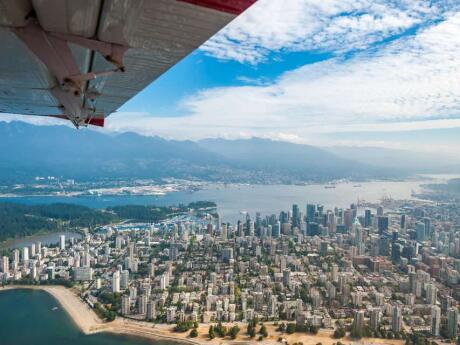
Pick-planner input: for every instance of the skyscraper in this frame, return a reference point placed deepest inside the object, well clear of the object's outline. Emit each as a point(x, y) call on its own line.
point(296, 216)
point(142, 304)
point(286, 277)
point(396, 319)
point(452, 322)
point(62, 242)
point(5, 264)
point(348, 219)
point(375, 318)
point(124, 279)
point(25, 254)
point(367, 218)
point(384, 245)
point(164, 281)
point(313, 229)
point(276, 230)
point(420, 231)
point(116, 282)
point(323, 248)
point(358, 320)
point(223, 232)
point(435, 320)
point(334, 272)
point(431, 293)
point(382, 224)
point(125, 305)
point(311, 210)
point(251, 228)
point(396, 249)
point(427, 223)
point(403, 223)
point(151, 310)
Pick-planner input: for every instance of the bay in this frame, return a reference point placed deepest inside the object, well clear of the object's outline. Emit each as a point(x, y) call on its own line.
point(44, 238)
point(27, 317)
point(233, 200)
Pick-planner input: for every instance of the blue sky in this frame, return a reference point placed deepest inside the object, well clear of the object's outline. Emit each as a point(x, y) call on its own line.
point(201, 71)
point(335, 72)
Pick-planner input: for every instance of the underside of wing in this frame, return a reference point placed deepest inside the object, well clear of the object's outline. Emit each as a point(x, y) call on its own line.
point(82, 59)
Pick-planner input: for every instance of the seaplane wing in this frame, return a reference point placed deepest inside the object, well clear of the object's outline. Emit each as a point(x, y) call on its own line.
point(82, 59)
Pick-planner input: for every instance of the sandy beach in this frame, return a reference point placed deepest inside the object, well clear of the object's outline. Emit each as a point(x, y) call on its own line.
point(89, 323)
point(83, 316)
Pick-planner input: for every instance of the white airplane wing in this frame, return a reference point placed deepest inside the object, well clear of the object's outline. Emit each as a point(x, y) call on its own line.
point(82, 59)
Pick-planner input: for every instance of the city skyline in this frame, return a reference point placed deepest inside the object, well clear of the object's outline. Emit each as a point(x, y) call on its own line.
point(384, 271)
point(215, 172)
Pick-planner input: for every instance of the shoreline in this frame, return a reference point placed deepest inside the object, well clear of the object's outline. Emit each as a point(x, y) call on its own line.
point(89, 323)
point(81, 314)
point(8, 243)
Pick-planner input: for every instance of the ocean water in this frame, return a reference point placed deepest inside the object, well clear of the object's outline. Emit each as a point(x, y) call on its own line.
point(45, 239)
point(235, 199)
point(27, 318)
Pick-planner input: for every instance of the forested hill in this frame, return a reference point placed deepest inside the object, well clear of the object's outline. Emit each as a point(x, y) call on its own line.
point(27, 151)
point(18, 220)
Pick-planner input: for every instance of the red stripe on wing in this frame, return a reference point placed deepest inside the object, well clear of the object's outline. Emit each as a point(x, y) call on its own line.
point(228, 6)
point(95, 122)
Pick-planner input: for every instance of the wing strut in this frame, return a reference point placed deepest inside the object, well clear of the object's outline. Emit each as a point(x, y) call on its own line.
point(53, 51)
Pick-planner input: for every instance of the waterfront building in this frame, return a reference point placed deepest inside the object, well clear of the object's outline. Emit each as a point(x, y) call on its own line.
point(25, 254)
point(125, 305)
point(116, 282)
point(62, 242)
point(83, 273)
point(5, 264)
point(142, 304)
point(151, 310)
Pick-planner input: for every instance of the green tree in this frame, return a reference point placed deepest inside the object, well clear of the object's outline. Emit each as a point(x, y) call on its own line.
point(211, 333)
point(233, 332)
point(339, 333)
point(250, 330)
point(263, 331)
point(193, 333)
point(290, 328)
point(281, 327)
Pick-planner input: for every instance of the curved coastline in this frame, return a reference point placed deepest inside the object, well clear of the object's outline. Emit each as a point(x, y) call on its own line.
point(81, 314)
point(89, 323)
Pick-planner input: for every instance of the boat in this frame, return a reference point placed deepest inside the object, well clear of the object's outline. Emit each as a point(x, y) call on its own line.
point(55, 308)
point(329, 187)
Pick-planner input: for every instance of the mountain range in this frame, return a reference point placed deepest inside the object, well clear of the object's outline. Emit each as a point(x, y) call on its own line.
point(27, 151)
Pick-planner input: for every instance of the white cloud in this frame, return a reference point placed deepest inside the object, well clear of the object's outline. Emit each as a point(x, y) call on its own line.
point(335, 26)
point(35, 120)
point(412, 83)
point(413, 78)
